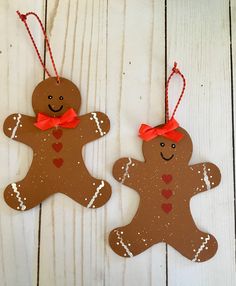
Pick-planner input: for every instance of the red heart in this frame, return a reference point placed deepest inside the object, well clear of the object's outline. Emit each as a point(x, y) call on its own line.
point(166, 193)
point(57, 133)
point(167, 178)
point(57, 146)
point(58, 162)
point(166, 208)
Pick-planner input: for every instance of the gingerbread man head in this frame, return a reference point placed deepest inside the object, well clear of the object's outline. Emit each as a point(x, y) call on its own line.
point(54, 99)
point(164, 151)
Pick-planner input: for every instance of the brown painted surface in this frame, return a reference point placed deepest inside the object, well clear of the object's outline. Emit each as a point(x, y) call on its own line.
point(165, 183)
point(57, 164)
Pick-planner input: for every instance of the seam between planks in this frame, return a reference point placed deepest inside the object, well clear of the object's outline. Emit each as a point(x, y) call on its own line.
point(232, 107)
point(165, 33)
point(40, 206)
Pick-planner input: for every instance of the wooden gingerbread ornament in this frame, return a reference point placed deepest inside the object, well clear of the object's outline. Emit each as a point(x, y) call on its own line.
point(165, 183)
point(57, 136)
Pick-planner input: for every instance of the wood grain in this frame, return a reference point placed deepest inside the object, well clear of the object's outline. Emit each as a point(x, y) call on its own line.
point(20, 71)
point(198, 38)
point(117, 52)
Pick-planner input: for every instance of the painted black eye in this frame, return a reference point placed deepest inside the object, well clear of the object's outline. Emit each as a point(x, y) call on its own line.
point(61, 97)
point(50, 97)
point(162, 144)
point(173, 145)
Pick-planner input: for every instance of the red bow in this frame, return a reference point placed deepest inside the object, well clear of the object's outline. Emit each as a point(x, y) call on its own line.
point(148, 133)
point(68, 120)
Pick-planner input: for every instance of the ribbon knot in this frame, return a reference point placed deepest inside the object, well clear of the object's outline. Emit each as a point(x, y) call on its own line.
point(148, 133)
point(174, 69)
point(68, 120)
point(22, 16)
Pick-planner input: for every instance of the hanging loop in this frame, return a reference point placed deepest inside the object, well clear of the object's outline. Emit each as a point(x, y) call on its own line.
point(175, 70)
point(23, 18)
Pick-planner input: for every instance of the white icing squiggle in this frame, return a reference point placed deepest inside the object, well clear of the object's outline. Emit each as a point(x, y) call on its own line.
point(16, 127)
point(123, 244)
point(98, 123)
point(96, 194)
point(206, 178)
point(200, 249)
point(126, 173)
point(15, 190)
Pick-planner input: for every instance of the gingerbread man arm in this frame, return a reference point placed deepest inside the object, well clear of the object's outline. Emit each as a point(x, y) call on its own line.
point(204, 176)
point(20, 128)
point(93, 125)
point(129, 172)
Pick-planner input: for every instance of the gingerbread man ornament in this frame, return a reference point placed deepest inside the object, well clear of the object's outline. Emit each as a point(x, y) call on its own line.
point(57, 137)
point(166, 183)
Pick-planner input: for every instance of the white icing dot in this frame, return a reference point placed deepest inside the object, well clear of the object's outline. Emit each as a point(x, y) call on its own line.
point(15, 136)
point(133, 164)
point(94, 184)
point(11, 195)
point(85, 199)
point(122, 168)
point(14, 118)
point(213, 183)
point(18, 208)
point(121, 232)
point(125, 254)
point(206, 248)
point(101, 121)
point(91, 118)
point(201, 179)
point(129, 244)
point(96, 131)
point(100, 194)
point(21, 125)
point(209, 169)
point(19, 185)
point(199, 172)
point(44, 139)
point(9, 128)
point(210, 176)
point(78, 163)
point(104, 133)
point(202, 186)
point(202, 237)
point(194, 250)
point(93, 206)
point(24, 199)
point(117, 243)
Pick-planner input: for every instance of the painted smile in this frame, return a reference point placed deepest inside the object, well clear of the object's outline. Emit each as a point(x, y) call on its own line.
point(55, 110)
point(166, 159)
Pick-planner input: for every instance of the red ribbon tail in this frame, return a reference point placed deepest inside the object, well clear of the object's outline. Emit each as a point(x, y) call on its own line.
point(71, 124)
point(146, 132)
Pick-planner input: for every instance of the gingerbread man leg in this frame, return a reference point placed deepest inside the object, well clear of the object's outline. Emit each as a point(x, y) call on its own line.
point(26, 194)
point(90, 192)
point(195, 245)
point(133, 239)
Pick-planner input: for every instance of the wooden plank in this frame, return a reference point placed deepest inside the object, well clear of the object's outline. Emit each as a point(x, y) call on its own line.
point(198, 38)
point(114, 52)
point(20, 72)
point(73, 238)
point(136, 65)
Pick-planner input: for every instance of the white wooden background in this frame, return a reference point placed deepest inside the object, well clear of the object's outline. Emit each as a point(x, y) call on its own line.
point(118, 53)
